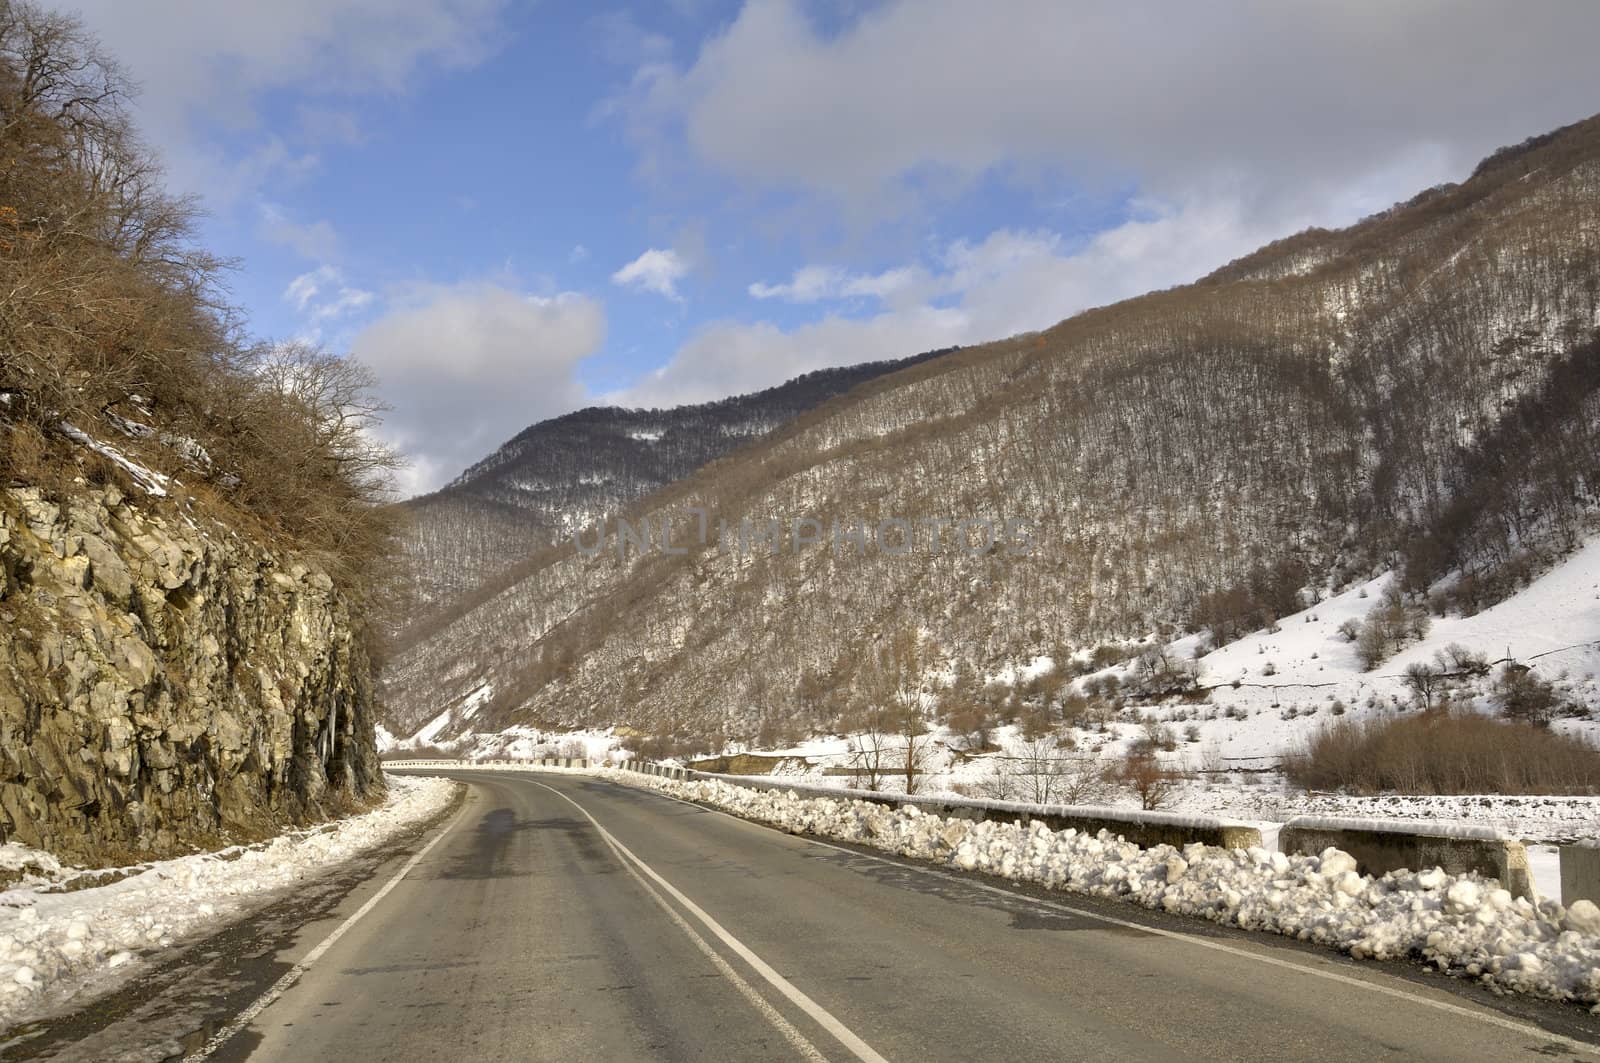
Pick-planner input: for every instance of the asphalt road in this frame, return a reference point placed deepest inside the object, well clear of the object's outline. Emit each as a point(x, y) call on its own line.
point(560, 917)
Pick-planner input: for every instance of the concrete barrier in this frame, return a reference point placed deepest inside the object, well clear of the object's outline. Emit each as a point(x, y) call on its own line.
point(1381, 846)
point(1145, 829)
point(1580, 873)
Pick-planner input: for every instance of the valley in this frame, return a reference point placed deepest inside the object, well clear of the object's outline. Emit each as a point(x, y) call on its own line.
point(781, 529)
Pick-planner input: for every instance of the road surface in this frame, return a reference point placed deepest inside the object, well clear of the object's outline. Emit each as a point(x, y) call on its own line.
point(564, 918)
point(525, 934)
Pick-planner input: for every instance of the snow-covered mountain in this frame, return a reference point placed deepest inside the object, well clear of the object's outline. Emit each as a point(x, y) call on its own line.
point(1417, 394)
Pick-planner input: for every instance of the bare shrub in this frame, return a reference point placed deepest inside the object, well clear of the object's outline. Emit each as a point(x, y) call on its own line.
point(1045, 771)
point(1444, 753)
point(1524, 696)
point(1142, 774)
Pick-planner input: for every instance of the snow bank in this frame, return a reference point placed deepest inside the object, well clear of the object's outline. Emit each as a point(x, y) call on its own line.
point(1131, 816)
point(55, 942)
point(1464, 924)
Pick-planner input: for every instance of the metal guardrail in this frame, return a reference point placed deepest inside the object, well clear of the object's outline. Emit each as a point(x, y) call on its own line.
point(1580, 866)
point(496, 763)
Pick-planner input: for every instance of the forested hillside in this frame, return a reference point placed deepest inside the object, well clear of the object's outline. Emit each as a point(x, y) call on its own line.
point(1415, 391)
point(559, 475)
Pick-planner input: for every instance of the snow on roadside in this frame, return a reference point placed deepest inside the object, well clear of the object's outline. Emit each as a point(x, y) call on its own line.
point(1460, 923)
point(54, 944)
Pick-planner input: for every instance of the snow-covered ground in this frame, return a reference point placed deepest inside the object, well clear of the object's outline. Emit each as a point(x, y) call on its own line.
point(1292, 680)
point(61, 936)
point(1461, 924)
point(519, 742)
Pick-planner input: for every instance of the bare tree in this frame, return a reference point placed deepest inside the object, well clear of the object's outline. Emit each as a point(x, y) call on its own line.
point(894, 687)
point(869, 746)
point(1142, 773)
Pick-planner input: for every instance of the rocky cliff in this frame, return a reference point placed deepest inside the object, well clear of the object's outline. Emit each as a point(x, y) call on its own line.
point(166, 682)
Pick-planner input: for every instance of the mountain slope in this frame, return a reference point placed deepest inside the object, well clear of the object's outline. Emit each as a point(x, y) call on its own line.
point(559, 475)
point(1306, 415)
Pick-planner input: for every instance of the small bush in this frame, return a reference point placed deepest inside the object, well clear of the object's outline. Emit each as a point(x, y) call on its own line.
point(1526, 697)
point(1445, 753)
point(1141, 774)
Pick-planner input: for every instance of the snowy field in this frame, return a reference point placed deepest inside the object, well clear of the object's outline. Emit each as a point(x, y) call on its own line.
point(62, 936)
point(1460, 924)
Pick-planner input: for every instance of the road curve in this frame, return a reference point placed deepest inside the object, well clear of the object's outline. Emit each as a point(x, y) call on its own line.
point(560, 917)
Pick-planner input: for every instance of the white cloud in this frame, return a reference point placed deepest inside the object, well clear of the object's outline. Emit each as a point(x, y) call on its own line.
point(1009, 282)
point(348, 301)
point(1318, 116)
point(656, 270)
point(466, 367)
point(323, 296)
point(305, 287)
point(812, 284)
point(205, 66)
point(1291, 99)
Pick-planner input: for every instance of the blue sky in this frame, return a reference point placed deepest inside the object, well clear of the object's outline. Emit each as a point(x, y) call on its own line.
point(514, 209)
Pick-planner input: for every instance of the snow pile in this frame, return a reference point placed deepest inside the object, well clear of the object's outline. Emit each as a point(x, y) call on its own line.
point(1464, 924)
point(20, 864)
point(54, 942)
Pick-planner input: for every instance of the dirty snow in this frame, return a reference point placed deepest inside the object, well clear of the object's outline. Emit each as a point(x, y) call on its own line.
point(57, 943)
point(1463, 924)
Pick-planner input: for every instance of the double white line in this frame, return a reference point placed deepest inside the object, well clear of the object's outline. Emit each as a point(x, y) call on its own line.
point(646, 875)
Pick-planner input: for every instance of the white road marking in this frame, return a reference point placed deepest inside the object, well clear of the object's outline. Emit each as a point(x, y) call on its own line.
point(1480, 1015)
point(842, 1033)
point(278, 988)
point(790, 1032)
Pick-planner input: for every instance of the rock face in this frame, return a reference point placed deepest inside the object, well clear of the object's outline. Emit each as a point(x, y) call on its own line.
point(166, 683)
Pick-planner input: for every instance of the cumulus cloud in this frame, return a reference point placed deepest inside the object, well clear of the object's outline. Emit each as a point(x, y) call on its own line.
point(656, 270)
point(1009, 282)
point(1318, 116)
point(465, 367)
point(1308, 96)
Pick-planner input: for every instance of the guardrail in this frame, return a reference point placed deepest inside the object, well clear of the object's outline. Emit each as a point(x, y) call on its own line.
point(1145, 829)
point(1380, 846)
point(497, 764)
